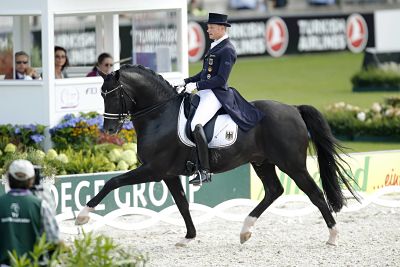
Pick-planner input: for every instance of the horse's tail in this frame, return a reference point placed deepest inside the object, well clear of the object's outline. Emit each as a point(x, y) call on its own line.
point(332, 171)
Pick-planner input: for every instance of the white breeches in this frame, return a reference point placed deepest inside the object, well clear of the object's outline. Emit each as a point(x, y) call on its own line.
point(208, 106)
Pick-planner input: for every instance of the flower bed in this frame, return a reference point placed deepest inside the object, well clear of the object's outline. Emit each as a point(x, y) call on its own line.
point(79, 146)
point(21, 135)
point(380, 122)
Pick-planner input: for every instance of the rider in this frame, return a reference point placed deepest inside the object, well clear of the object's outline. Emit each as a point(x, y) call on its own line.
point(211, 83)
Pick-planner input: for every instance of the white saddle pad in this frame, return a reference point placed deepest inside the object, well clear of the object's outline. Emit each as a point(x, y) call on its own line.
point(225, 131)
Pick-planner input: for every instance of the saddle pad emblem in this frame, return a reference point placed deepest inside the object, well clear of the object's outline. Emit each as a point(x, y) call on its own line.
point(228, 135)
point(225, 131)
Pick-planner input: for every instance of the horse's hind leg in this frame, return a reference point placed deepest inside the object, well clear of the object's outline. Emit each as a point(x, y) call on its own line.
point(175, 187)
point(306, 184)
point(273, 189)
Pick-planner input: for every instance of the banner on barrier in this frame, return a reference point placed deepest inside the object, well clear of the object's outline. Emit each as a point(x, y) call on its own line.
point(371, 171)
point(276, 36)
point(72, 192)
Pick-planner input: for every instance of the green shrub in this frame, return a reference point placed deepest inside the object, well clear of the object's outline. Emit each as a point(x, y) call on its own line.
point(88, 251)
point(37, 157)
point(70, 161)
point(376, 77)
point(381, 120)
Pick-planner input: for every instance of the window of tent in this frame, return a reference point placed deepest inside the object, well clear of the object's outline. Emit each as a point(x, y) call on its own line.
point(146, 38)
point(26, 40)
point(155, 40)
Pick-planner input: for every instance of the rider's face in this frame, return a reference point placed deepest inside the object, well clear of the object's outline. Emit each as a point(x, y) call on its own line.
point(215, 31)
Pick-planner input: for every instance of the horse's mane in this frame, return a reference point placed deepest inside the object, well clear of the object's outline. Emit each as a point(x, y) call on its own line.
point(158, 81)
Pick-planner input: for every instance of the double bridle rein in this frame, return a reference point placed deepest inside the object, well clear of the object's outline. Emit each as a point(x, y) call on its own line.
point(125, 115)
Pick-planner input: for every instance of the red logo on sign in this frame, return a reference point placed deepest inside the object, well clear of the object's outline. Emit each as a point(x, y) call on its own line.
point(276, 37)
point(357, 33)
point(197, 41)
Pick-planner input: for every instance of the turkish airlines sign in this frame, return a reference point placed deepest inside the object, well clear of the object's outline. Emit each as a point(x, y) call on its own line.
point(277, 36)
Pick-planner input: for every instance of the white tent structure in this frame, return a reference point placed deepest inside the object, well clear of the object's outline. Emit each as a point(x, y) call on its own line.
point(46, 101)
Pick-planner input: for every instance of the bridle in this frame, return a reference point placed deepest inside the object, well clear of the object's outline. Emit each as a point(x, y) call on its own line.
point(124, 115)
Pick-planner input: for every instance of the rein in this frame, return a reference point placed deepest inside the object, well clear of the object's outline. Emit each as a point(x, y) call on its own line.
point(126, 116)
point(148, 110)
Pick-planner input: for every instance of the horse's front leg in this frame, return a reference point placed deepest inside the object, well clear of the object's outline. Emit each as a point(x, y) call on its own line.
point(140, 175)
point(175, 187)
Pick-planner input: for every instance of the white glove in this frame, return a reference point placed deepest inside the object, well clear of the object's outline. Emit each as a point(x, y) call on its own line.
point(180, 83)
point(190, 87)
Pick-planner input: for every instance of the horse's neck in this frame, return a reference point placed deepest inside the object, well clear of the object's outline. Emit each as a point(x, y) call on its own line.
point(162, 117)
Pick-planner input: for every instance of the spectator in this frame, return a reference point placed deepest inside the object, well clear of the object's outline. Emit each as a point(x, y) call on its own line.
point(61, 62)
point(22, 69)
point(104, 65)
point(23, 216)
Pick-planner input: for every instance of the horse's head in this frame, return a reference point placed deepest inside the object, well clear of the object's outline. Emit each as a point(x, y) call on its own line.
point(117, 103)
point(130, 92)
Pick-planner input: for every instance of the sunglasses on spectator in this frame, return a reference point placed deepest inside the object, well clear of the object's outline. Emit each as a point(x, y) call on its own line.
point(21, 62)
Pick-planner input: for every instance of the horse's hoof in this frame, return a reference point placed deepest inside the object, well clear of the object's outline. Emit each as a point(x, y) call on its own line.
point(184, 242)
point(244, 237)
point(331, 243)
point(333, 235)
point(83, 216)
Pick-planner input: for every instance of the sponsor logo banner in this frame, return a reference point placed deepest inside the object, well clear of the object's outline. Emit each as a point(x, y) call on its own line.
point(72, 192)
point(196, 41)
point(371, 171)
point(276, 36)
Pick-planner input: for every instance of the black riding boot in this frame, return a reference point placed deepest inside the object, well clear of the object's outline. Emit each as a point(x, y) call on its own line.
point(203, 175)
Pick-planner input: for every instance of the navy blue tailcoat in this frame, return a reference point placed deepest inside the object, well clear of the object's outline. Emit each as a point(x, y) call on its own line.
point(217, 66)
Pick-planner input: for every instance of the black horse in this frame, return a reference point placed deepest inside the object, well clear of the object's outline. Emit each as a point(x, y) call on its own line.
point(281, 139)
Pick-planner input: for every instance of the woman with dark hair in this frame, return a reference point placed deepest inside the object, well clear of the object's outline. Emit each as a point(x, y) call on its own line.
point(61, 62)
point(104, 65)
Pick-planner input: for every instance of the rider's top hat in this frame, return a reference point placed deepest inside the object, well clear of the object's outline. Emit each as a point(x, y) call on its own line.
point(221, 19)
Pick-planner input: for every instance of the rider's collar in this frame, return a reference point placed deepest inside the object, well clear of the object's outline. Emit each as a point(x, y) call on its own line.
point(216, 42)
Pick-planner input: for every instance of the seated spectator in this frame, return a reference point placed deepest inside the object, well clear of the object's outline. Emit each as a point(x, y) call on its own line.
point(22, 69)
point(61, 62)
point(23, 216)
point(104, 65)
